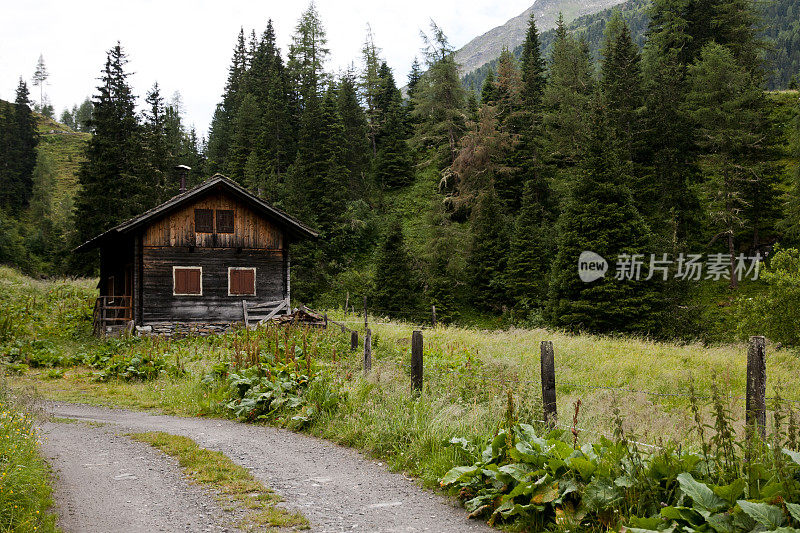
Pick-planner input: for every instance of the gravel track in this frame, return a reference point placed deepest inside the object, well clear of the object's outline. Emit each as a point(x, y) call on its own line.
point(109, 483)
point(336, 488)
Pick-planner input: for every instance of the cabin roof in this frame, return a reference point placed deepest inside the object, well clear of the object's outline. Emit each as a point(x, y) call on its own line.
point(217, 182)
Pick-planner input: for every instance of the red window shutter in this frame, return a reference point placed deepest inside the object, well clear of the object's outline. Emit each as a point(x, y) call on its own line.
point(242, 282)
point(224, 221)
point(204, 220)
point(187, 281)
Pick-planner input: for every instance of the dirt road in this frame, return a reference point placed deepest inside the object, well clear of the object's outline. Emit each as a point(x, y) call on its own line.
point(336, 488)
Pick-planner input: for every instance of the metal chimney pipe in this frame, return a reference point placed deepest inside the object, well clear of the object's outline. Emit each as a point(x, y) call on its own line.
point(183, 170)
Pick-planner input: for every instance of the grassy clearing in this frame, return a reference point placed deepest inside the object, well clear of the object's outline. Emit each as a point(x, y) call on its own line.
point(468, 372)
point(25, 494)
point(235, 486)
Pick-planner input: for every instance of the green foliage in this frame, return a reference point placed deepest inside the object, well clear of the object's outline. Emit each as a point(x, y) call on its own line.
point(395, 286)
point(25, 494)
point(600, 216)
point(489, 254)
point(773, 310)
point(18, 139)
point(542, 482)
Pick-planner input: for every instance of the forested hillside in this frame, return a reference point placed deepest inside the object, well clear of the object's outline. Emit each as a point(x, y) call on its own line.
point(657, 157)
point(779, 26)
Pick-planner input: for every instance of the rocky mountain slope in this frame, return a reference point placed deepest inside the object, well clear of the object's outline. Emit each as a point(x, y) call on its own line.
point(488, 46)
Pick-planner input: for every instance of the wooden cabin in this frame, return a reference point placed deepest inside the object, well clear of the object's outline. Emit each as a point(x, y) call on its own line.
point(196, 262)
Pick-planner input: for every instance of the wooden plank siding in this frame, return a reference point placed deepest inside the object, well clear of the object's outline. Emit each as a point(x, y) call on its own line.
point(160, 305)
point(250, 230)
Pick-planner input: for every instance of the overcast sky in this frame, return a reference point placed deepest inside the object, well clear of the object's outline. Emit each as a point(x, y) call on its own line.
point(186, 45)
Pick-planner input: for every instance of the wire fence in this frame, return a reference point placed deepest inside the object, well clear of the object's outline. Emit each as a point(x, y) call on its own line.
point(495, 379)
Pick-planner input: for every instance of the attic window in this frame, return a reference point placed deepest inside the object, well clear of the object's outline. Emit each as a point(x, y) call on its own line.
point(204, 220)
point(224, 221)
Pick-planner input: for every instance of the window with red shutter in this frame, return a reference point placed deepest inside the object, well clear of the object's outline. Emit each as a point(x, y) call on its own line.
point(204, 220)
point(241, 281)
point(187, 281)
point(224, 221)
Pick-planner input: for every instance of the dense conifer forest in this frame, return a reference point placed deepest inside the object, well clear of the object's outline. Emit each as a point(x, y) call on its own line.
point(624, 135)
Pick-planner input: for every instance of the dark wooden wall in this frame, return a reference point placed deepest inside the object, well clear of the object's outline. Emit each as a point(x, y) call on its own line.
point(214, 305)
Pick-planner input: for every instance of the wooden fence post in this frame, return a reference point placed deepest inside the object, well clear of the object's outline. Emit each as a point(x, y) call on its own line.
point(325, 316)
point(548, 368)
point(755, 403)
point(367, 351)
point(365, 313)
point(353, 341)
point(433, 315)
point(416, 361)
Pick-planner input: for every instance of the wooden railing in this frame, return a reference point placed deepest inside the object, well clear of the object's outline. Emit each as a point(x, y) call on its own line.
point(110, 311)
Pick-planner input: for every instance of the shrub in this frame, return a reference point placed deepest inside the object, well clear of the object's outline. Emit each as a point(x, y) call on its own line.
point(774, 312)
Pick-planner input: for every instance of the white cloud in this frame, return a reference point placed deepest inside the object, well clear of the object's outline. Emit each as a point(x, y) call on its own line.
point(186, 45)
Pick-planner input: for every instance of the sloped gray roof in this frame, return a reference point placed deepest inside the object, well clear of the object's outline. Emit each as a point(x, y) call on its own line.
point(218, 181)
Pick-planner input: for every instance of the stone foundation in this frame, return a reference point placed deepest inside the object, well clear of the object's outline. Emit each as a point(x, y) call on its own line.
point(185, 329)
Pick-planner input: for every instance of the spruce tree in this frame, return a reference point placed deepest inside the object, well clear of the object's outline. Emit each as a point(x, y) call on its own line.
point(566, 98)
point(157, 161)
point(621, 86)
point(439, 105)
point(790, 224)
point(489, 89)
point(18, 140)
point(600, 216)
point(530, 250)
point(221, 131)
point(393, 162)
point(488, 254)
point(396, 287)
point(111, 190)
point(736, 137)
point(355, 139)
point(534, 68)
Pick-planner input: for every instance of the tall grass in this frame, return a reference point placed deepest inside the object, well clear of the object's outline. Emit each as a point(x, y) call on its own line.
point(24, 488)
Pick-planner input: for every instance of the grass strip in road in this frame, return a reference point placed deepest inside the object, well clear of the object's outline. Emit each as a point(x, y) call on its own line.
point(234, 483)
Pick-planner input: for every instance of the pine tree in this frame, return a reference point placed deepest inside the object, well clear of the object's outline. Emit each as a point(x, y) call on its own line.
point(736, 137)
point(355, 139)
point(18, 140)
point(488, 255)
point(530, 250)
point(221, 131)
point(393, 162)
point(111, 190)
point(621, 86)
point(600, 216)
point(439, 102)
point(566, 97)
point(534, 68)
point(396, 287)
point(489, 89)
point(307, 56)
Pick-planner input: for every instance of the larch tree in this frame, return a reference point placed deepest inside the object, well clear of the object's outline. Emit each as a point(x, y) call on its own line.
point(439, 105)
